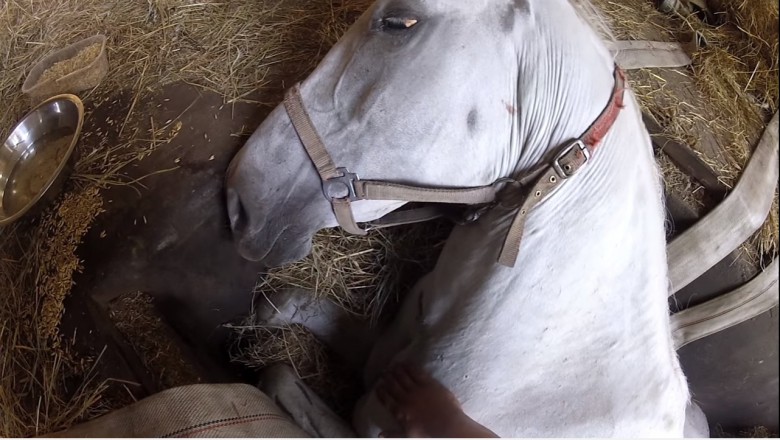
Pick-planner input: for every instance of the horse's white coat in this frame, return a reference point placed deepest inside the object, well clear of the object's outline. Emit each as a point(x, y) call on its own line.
point(573, 341)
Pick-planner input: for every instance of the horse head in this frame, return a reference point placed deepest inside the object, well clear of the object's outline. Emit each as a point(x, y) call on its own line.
point(432, 93)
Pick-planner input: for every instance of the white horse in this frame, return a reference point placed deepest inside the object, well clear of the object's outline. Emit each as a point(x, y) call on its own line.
point(574, 340)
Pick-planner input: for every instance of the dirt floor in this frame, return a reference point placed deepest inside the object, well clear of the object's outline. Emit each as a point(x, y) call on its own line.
point(171, 239)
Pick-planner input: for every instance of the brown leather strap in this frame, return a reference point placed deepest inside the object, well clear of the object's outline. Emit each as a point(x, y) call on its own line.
point(409, 216)
point(371, 190)
point(547, 183)
point(343, 210)
point(348, 187)
point(566, 163)
point(314, 146)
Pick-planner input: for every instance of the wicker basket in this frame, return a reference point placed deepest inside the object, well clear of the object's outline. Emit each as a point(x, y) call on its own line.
point(83, 78)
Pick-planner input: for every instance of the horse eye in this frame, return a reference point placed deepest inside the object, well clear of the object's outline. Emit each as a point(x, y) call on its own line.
point(398, 23)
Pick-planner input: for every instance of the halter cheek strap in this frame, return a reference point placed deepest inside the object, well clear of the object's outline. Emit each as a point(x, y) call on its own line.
point(342, 187)
point(336, 183)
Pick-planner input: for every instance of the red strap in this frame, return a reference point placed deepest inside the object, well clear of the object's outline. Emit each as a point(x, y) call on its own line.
point(570, 159)
point(596, 133)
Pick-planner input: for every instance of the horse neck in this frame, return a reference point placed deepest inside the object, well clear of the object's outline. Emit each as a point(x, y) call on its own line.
point(602, 233)
point(597, 244)
point(561, 100)
point(611, 214)
point(607, 217)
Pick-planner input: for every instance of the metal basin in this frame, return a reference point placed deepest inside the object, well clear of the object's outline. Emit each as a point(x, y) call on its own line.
point(36, 158)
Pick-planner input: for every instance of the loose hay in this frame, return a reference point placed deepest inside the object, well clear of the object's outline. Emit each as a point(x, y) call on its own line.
point(367, 276)
point(758, 432)
point(362, 274)
point(258, 347)
point(227, 47)
point(681, 184)
point(754, 432)
point(736, 79)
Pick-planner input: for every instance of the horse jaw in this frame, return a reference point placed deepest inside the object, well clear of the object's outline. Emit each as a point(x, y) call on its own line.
point(274, 197)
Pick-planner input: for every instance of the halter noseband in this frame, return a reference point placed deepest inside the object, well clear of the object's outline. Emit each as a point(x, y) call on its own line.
point(342, 187)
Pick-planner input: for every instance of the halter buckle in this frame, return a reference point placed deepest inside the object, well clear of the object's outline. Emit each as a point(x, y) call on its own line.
point(341, 187)
point(562, 170)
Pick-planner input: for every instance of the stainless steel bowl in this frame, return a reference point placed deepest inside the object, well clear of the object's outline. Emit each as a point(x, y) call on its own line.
point(36, 158)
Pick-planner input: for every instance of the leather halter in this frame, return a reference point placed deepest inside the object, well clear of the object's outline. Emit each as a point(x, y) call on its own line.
point(341, 187)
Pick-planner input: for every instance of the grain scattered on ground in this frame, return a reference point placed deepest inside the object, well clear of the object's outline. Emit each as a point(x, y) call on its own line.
point(156, 344)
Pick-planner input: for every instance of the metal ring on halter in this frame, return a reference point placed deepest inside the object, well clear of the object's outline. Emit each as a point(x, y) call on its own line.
point(341, 187)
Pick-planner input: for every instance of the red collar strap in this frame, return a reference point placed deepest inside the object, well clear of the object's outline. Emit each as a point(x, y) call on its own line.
point(341, 187)
point(598, 131)
point(566, 163)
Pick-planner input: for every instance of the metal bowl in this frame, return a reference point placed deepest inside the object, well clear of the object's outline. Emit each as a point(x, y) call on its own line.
point(36, 158)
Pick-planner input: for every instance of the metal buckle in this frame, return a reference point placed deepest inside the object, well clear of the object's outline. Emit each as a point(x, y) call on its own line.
point(562, 172)
point(341, 187)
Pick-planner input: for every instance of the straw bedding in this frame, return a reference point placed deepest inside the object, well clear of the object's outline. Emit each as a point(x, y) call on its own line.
point(735, 75)
point(366, 276)
point(42, 388)
point(226, 47)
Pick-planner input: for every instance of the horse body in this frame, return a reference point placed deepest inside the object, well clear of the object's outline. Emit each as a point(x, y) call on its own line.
point(572, 341)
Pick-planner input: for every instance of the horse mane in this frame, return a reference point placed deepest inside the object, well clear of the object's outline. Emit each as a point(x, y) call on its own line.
point(593, 16)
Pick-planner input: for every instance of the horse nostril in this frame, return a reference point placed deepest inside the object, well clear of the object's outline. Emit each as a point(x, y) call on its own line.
point(231, 170)
point(236, 211)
